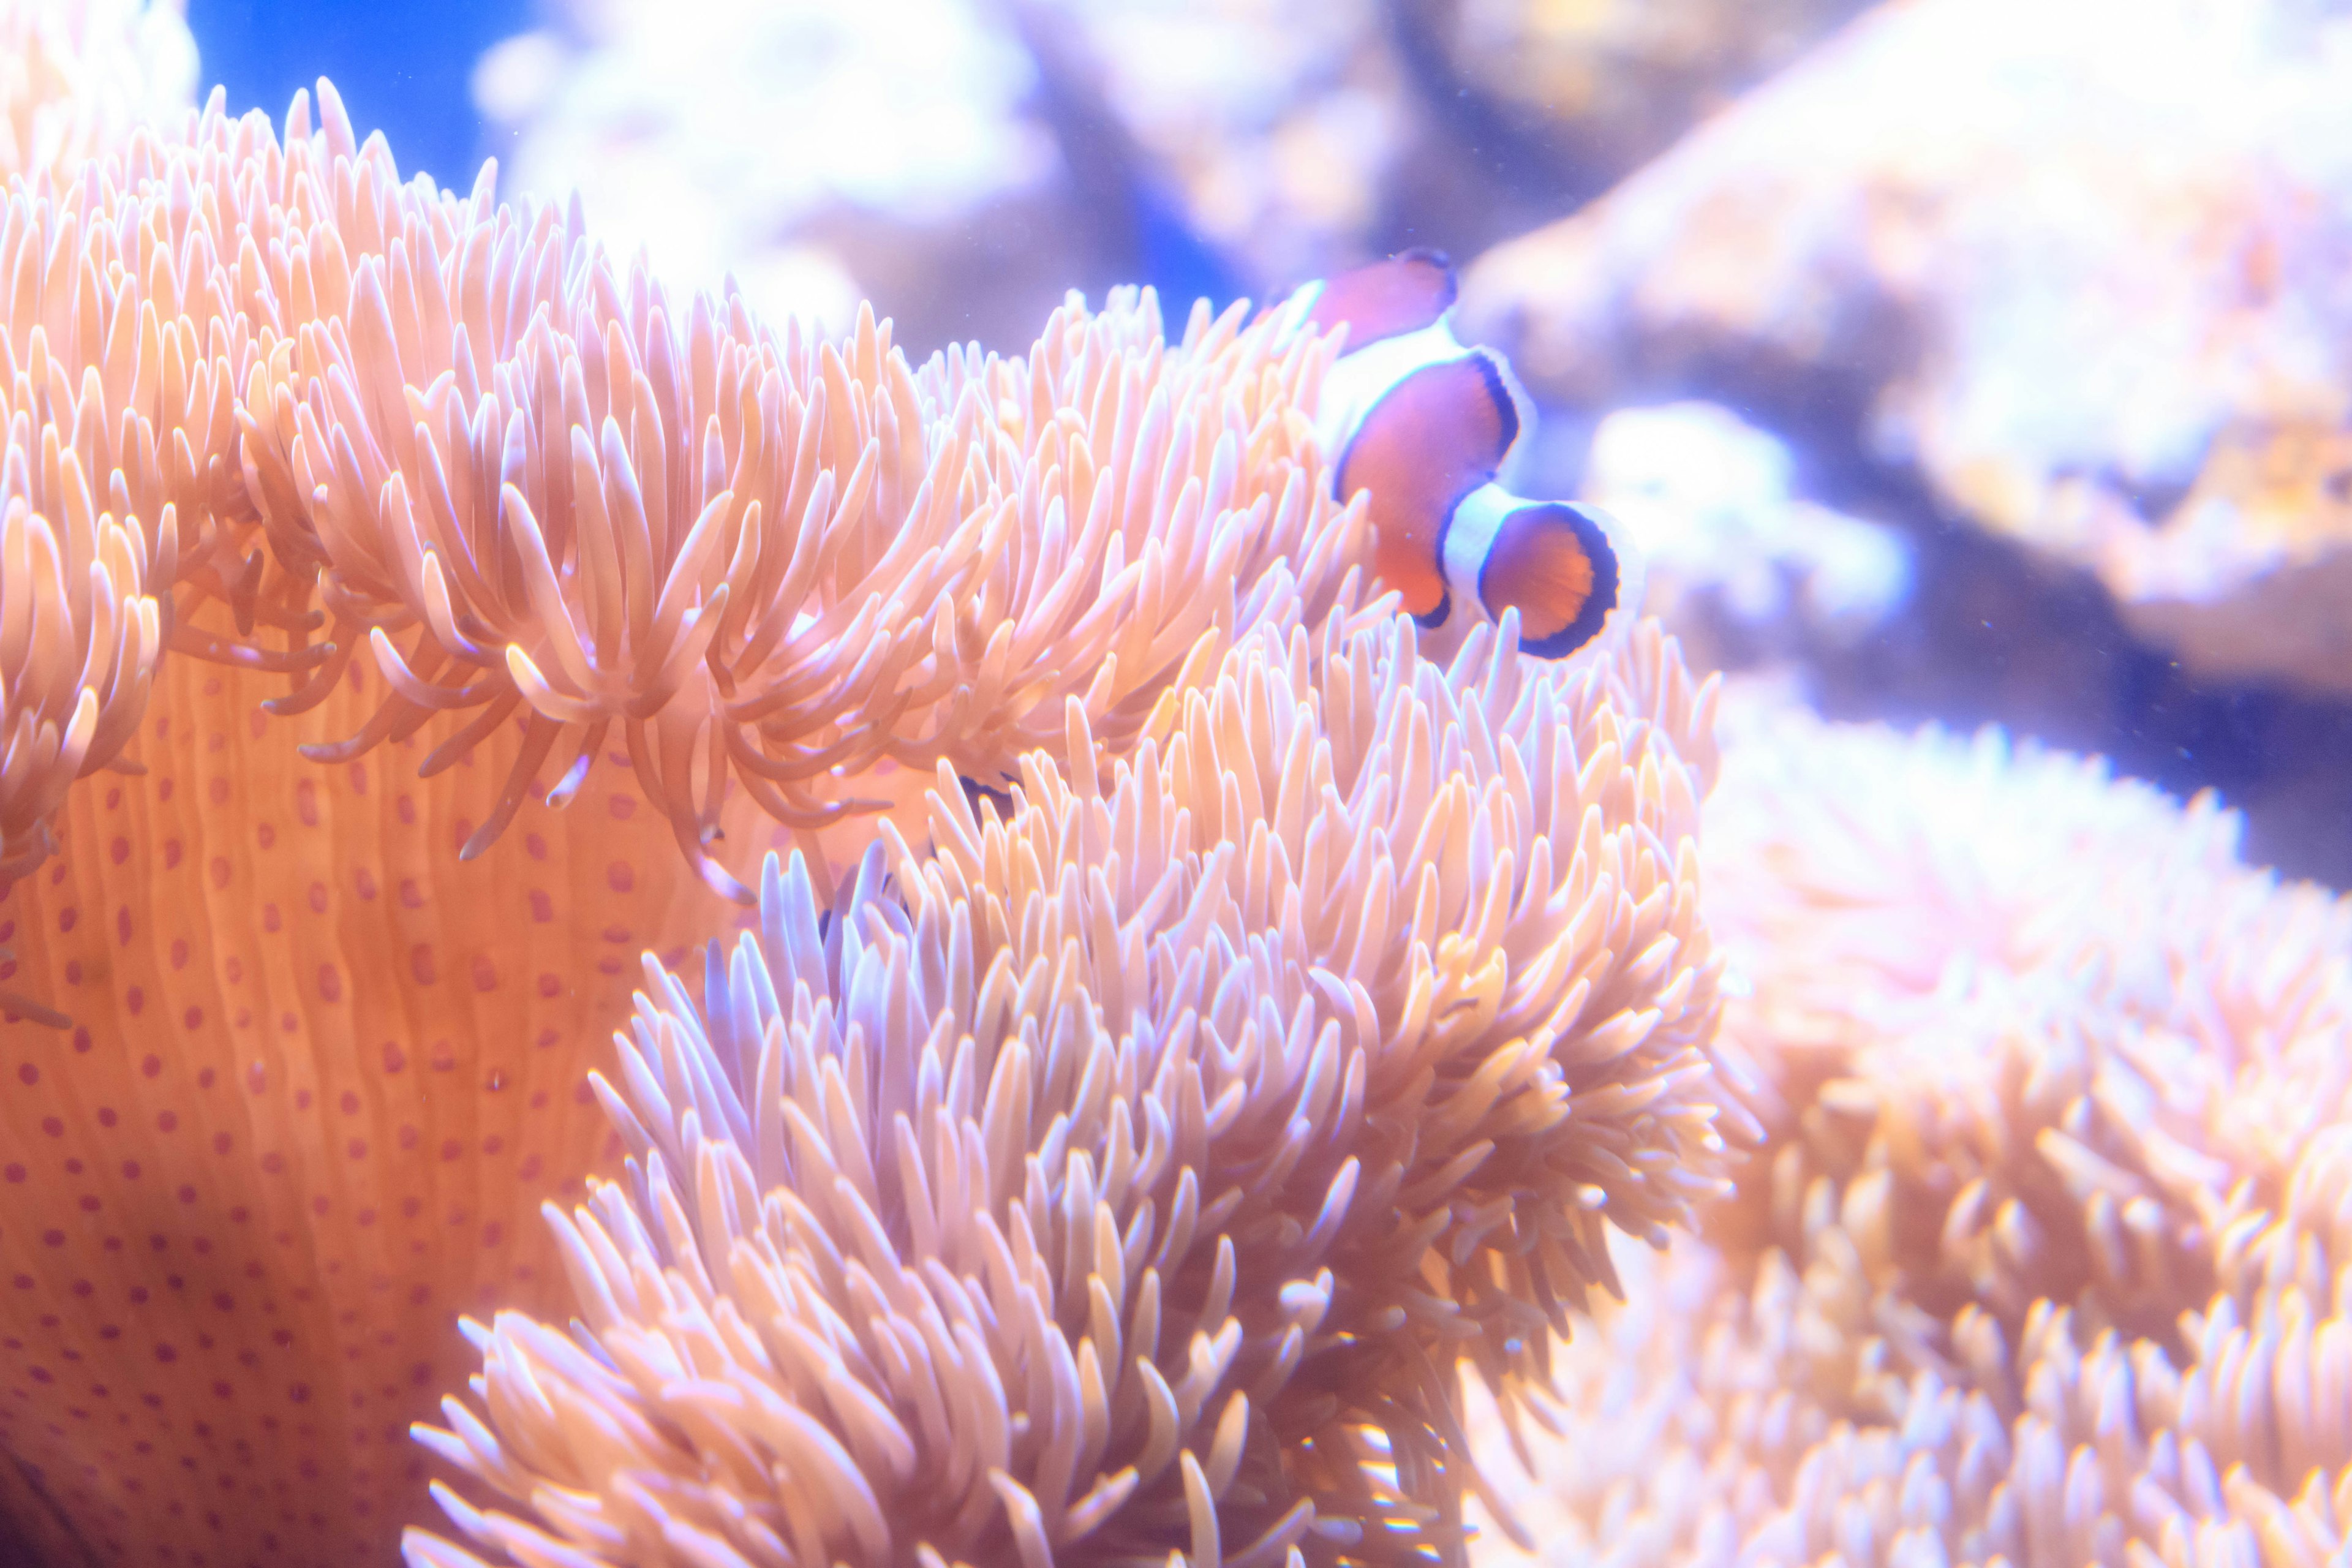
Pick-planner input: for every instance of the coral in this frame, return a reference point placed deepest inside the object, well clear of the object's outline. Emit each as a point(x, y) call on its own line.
point(960, 160)
point(1740, 566)
point(818, 151)
point(1128, 1176)
point(793, 562)
point(108, 394)
point(318, 1077)
point(1604, 85)
point(121, 338)
point(2098, 326)
point(604, 510)
point(2041, 1259)
point(1280, 127)
point(473, 501)
point(795, 146)
point(2070, 1030)
point(1325, 999)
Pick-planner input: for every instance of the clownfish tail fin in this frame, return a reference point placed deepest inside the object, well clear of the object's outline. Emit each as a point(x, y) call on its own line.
point(1565, 568)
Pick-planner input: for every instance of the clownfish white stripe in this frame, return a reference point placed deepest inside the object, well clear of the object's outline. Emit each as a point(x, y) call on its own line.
point(1361, 377)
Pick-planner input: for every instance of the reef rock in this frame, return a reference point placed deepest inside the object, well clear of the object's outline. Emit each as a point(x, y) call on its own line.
point(961, 162)
point(1743, 569)
point(2082, 262)
point(1604, 85)
point(818, 153)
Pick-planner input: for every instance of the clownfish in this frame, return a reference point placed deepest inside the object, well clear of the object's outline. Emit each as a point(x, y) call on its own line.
point(1426, 423)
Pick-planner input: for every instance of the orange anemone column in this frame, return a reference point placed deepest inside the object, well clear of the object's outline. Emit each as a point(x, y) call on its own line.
point(320, 1078)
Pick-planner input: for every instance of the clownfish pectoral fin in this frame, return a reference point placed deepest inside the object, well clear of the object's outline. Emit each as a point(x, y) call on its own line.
point(1436, 434)
point(1409, 291)
point(1565, 568)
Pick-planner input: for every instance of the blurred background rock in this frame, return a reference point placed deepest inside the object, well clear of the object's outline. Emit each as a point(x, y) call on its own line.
point(2065, 288)
point(1963, 359)
point(962, 162)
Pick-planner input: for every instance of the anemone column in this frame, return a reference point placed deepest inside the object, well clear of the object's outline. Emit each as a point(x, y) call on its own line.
point(320, 1077)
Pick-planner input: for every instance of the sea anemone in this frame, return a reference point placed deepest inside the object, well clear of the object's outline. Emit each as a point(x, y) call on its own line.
point(2045, 1256)
point(287, 434)
point(120, 333)
point(765, 561)
point(593, 509)
point(1128, 1175)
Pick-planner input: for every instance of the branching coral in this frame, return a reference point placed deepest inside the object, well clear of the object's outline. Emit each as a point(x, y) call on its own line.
point(2044, 1258)
point(1127, 1176)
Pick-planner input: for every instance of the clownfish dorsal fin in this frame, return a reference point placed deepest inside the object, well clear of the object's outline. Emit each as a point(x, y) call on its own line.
point(1437, 436)
point(1409, 291)
point(1562, 566)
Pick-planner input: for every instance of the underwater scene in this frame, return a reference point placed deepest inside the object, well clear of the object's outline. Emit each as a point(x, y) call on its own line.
point(1190, 783)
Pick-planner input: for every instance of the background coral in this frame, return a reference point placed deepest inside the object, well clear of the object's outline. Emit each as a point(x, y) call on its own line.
point(960, 163)
point(2075, 243)
point(1745, 570)
point(2057, 291)
point(2040, 1257)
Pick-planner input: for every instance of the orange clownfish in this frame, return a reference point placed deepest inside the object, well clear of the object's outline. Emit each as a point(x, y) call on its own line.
point(1425, 424)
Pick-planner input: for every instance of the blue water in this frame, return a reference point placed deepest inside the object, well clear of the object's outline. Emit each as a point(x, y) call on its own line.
point(401, 68)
